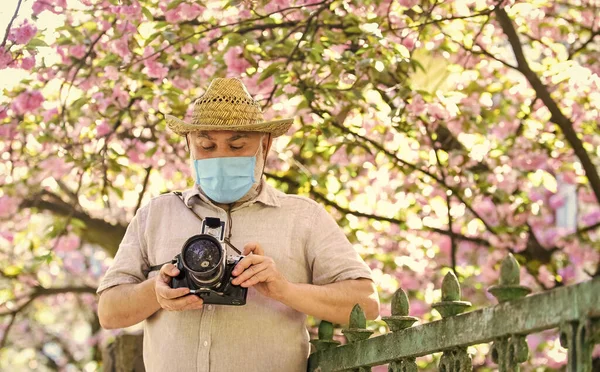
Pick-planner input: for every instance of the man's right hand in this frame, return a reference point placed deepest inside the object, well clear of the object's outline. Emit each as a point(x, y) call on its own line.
point(174, 299)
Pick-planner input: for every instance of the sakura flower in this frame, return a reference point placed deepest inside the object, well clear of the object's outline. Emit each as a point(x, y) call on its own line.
point(27, 101)
point(234, 59)
point(8, 206)
point(78, 51)
point(23, 33)
point(28, 63)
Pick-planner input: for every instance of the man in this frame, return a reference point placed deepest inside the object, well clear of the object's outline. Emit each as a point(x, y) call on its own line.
point(297, 260)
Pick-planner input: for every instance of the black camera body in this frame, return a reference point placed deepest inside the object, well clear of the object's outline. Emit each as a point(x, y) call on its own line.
point(205, 268)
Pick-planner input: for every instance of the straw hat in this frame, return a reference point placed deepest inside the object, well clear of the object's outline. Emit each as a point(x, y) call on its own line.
point(227, 105)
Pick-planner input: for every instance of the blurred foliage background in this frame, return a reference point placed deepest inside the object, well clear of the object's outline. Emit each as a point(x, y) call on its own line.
point(441, 135)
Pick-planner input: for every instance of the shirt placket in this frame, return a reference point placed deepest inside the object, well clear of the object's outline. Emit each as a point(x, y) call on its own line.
point(206, 320)
point(204, 337)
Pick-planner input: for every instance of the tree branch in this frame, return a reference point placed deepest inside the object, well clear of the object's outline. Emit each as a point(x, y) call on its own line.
point(322, 198)
point(144, 186)
point(10, 23)
point(557, 117)
point(96, 230)
point(572, 53)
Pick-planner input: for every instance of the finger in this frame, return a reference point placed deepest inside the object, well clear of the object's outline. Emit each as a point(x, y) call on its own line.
point(179, 303)
point(258, 278)
point(253, 248)
point(246, 262)
point(197, 305)
point(250, 272)
point(168, 271)
point(169, 293)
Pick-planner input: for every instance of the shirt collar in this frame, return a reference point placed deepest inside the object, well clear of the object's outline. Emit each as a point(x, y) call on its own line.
point(267, 196)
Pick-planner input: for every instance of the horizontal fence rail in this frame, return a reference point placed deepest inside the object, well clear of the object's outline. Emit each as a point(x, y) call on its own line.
point(575, 310)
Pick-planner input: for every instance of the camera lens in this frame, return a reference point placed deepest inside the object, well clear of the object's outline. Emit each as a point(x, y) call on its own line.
point(204, 258)
point(202, 255)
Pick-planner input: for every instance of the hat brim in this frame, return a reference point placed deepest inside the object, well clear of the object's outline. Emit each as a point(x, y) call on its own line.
point(275, 127)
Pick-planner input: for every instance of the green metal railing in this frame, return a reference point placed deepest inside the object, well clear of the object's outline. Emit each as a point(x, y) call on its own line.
point(574, 310)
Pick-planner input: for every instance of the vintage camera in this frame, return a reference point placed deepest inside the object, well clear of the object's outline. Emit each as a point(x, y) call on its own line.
point(205, 268)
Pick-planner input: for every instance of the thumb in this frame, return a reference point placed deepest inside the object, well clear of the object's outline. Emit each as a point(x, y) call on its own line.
point(253, 248)
point(167, 271)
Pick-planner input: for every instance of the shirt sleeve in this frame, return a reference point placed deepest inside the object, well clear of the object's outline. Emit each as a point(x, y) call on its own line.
point(331, 256)
point(130, 263)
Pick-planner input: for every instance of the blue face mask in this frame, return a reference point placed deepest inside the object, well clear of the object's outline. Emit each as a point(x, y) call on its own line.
point(225, 180)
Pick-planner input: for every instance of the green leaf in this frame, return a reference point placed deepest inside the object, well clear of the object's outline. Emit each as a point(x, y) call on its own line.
point(174, 4)
point(148, 14)
point(270, 70)
point(37, 43)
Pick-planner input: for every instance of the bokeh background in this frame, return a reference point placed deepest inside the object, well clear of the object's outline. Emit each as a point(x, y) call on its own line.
point(442, 135)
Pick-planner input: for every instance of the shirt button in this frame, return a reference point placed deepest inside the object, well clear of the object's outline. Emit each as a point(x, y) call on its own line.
point(205, 343)
point(209, 307)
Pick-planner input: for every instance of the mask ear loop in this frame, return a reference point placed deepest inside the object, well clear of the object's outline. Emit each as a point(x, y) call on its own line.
point(265, 158)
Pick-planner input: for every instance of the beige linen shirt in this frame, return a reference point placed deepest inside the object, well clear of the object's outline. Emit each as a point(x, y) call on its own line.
point(264, 335)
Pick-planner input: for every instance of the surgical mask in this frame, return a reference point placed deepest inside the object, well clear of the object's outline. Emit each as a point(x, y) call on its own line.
point(226, 180)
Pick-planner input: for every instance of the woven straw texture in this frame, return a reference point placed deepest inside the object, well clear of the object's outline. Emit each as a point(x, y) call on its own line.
point(227, 105)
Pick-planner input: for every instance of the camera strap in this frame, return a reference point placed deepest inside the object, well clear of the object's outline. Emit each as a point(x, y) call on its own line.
point(226, 240)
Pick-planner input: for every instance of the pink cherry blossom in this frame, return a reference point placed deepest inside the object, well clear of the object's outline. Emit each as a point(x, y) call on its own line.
point(111, 72)
point(3, 113)
point(28, 63)
point(487, 210)
point(22, 34)
point(235, 61)
point(120, 96)
point(184, 12)
point(181, 83)
point(155, 69)
point(408, 3)
point(437, 111)
point(103, 129)
point(202, 46)
point(27, 101)
point(48, 115)
point(275, 5)
point(188, 48)
point(591, 218)
point(41, 5)
point(556, 201)
point(6, 58)
point(587, 196)
point(417, 106)
point(55, 167)
point(121, 47)
point(67, 243)
point(409, 42)
point(78, 51)
point(8, 206)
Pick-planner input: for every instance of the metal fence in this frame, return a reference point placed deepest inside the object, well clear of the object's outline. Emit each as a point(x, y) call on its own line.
point(574, 310)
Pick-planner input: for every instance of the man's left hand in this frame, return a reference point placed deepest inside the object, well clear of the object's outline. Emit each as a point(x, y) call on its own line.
point(259, 271)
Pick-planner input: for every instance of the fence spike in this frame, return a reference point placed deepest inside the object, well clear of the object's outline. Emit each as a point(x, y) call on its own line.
point(509, 287)
point(357, 328)
point(325, 340)
point(400, 309)
point(451, 304)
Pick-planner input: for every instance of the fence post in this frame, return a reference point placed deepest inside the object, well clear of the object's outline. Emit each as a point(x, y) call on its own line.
point(509, 352)
point(456, 359)
point(325, 340)
point(397, 322)
point(124, 354)
point(357, 330)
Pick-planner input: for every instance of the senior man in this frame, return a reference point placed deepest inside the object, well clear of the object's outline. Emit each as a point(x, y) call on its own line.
point(297, 260)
